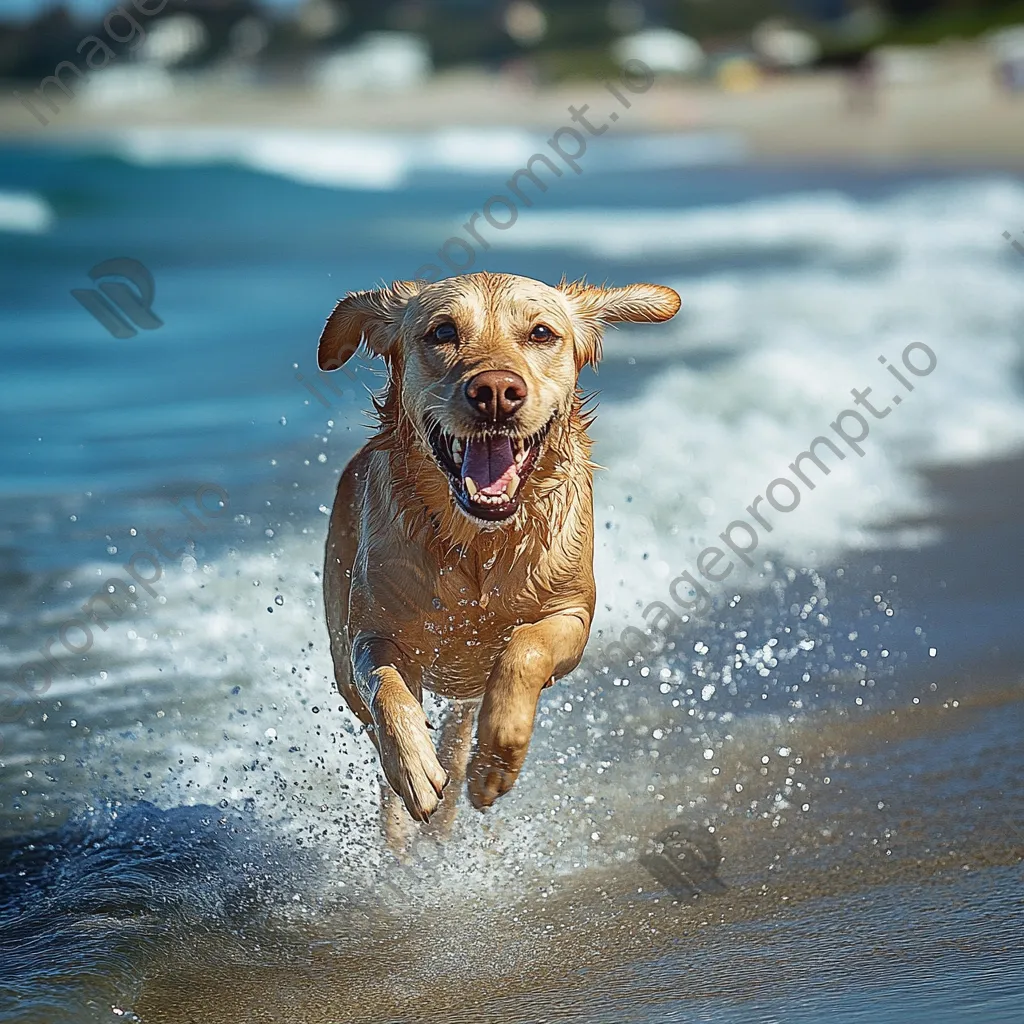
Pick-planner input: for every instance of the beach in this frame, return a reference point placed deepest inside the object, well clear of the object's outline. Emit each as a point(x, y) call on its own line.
point(951, 113)
point(188, 813)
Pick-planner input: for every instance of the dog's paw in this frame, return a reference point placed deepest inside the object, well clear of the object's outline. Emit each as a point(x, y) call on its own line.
point(409, 759)
point(496, 764)
point(487, 781)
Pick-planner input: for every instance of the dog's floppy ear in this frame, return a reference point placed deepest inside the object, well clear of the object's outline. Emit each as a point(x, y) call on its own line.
point(636, 303)
point(370, 316)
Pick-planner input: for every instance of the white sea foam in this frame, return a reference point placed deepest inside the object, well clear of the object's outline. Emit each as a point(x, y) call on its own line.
point(209, 697)
point(697, 445)
point(25, 212)
point(760, 363)
point(961, 221)
point(388, 161)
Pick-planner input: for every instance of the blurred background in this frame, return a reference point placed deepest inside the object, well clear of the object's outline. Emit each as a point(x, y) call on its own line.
point(787, 74)
point(188, 823)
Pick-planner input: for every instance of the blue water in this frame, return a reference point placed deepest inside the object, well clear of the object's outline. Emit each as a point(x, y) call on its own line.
point(188, 800)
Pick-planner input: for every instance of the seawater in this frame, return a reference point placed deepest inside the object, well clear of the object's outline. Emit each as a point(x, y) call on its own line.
point(189, 790)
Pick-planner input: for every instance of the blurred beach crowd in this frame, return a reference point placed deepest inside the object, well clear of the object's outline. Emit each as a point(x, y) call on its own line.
point(148, 50)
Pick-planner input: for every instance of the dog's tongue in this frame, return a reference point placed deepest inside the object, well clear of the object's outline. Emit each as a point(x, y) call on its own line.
point(490, 464)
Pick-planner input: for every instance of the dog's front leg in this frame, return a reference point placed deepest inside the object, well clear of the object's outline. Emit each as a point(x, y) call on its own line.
point(400, 726)
point(537, 654)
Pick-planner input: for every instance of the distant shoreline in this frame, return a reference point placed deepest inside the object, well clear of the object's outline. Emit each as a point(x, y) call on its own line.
point(955, 116)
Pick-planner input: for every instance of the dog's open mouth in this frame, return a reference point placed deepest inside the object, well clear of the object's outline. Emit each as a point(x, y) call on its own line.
point(487, 472)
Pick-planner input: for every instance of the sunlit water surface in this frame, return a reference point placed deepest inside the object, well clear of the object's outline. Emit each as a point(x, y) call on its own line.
point(190, 813)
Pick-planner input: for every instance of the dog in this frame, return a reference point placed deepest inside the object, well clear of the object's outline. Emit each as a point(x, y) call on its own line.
point(460, 549)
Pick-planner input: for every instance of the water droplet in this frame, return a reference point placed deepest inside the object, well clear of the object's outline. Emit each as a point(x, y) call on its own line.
point(279, 600)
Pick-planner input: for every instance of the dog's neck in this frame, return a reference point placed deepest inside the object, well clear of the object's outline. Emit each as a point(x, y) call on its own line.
point(558, 489)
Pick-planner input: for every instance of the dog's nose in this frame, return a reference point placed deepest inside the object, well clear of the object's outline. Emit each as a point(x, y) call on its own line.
point(496, 394)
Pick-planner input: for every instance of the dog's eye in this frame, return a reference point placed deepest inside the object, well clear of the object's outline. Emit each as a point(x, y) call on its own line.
point(443, 334)
point(542, 333)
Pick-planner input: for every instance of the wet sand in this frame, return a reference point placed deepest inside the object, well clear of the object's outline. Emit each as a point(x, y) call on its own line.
point(912, 904)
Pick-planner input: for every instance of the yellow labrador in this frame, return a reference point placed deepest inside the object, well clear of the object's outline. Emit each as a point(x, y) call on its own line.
point(460, 550)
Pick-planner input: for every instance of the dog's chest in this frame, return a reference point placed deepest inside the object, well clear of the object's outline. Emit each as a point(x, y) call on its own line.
point(468, 626)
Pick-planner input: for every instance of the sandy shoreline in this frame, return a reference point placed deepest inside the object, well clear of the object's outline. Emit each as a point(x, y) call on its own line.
point(952, 115)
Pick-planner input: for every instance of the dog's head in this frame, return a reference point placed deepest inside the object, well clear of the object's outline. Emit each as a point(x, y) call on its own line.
point(484, 366)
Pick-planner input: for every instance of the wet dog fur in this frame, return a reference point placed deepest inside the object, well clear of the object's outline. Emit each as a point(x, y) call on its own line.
point(434, 580)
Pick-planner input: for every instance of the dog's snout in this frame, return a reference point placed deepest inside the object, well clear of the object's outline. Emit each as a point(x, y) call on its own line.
point(496, 394)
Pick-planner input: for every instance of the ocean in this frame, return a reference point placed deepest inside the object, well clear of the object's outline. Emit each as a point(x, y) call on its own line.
point(188, 822)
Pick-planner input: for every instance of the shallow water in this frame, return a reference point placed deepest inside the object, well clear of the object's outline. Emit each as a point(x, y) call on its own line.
point(847, 718)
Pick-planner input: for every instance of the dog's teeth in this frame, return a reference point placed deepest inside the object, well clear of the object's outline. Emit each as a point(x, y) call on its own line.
point(521, 456)
point(512, 487)
point(471, 486)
